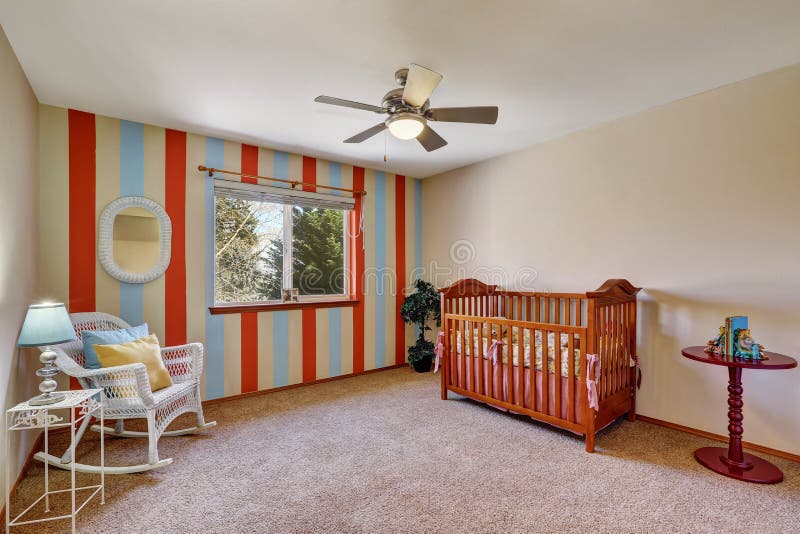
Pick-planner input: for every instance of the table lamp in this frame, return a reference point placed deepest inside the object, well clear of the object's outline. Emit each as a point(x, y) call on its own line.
point(46, 324)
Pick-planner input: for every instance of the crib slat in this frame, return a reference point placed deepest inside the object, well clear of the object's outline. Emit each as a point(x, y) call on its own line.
point(468, 369)
point(626, 339)
point(480, 354)
point(617, 327)
point(508, 353)
point(532, 370)
point(604, 357)
point(519, 309)
point(453, 354)
point(557, 306)
point(610, 373)
point(536, 308)
point(489, 366)
point(545, 371)
point(615, 346)
point(617, 355)
point(578, 307)
point(557, 368)
point(521, 367)
point(463, 378)
point(571, 378)
point(623, 339)
point(609, 352)
point(568, 311)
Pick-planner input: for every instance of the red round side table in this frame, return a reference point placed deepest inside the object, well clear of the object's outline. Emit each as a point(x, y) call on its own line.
point(732, 462)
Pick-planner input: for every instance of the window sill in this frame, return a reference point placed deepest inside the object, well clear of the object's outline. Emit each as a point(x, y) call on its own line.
point(242, 307)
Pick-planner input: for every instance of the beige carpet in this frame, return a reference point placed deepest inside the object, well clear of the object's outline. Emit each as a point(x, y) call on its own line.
point(382, 453)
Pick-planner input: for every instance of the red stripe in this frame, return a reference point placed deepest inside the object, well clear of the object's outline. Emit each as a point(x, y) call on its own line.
point(400, 254)
point(249, 355)
point(309, 173)
point(175, 201)
point(357, 261)
point(249, 352)
point(82, 237)
point(309, 344)
point(249, 163)
point(82, 168)
point(309, 315)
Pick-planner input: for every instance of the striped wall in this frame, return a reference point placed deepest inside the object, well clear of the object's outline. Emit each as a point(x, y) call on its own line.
point(89, 160)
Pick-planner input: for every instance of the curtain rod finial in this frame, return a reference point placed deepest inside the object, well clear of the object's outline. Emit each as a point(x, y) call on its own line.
point(203, 168)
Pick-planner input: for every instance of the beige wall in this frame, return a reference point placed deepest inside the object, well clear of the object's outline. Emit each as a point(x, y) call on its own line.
point(695, 201)
point(19, 170)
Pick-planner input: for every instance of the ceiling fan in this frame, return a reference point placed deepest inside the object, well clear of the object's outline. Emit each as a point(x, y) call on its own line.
point(409, 109)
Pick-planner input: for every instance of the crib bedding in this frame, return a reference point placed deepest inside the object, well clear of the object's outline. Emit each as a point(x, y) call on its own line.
point(551, 350)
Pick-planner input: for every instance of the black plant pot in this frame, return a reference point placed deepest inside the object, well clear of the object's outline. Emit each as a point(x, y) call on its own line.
point(423, 365)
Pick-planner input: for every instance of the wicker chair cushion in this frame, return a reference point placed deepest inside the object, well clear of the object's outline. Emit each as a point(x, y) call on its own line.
point(108, 337)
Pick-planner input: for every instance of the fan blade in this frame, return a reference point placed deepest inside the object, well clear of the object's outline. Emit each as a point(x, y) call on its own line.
point(430, 140)
point(322, 99)
point(420, 83)
point(475, 115)
point(366, 134)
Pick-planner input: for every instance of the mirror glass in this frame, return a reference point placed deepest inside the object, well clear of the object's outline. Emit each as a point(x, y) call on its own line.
point(136, 240)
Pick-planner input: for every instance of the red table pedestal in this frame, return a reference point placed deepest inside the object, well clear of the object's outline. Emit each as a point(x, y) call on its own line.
point(733, 462)
point(752, 469)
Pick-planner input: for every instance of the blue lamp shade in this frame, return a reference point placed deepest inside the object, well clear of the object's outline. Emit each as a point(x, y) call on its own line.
point(46, 324)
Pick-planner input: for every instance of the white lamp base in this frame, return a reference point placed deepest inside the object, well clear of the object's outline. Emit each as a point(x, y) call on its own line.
point(47, 398)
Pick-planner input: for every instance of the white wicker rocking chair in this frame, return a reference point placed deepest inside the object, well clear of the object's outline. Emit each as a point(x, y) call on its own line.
point(127, 394)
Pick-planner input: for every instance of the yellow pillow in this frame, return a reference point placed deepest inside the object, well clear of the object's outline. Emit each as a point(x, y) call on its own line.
point(145, 350)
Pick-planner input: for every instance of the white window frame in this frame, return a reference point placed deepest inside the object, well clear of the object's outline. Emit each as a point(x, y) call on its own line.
point(288, 256)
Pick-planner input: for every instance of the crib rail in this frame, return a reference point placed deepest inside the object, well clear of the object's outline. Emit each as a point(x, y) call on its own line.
point(505, 380)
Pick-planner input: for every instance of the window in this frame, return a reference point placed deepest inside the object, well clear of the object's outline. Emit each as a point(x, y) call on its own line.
point(268, 239)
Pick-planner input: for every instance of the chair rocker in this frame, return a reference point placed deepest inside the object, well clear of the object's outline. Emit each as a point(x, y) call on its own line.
point(127, 394)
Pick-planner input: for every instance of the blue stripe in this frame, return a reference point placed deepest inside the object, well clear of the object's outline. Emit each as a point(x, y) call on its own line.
point(380, 269)
point(334, 177)
point(215, 330)
point(131, 184)
point(280, 348)
point(131, 159)
point(334, 341)
point(281, 167)
point(417, 235)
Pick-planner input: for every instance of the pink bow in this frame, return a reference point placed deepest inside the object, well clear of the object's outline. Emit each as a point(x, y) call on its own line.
point(591, 385)
point(492, 352)
point(439, 351)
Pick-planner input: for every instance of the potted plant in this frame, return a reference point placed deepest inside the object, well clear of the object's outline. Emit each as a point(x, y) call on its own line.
point(418, 307)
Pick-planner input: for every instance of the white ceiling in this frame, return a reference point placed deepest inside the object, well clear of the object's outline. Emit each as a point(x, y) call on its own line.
point(249, 70)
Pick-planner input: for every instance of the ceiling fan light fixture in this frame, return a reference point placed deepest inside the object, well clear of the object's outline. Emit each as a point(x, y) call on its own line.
point(405, 125)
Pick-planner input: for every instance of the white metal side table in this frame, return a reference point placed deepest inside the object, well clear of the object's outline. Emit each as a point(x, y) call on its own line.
point(24, 416)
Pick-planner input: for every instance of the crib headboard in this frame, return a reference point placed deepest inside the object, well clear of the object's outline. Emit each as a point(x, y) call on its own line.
point(470, 297)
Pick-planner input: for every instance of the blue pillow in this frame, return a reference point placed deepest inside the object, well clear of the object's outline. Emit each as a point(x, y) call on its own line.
point(108, 337)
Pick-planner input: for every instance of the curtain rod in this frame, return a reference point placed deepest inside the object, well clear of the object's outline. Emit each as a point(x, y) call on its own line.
point(293, 183)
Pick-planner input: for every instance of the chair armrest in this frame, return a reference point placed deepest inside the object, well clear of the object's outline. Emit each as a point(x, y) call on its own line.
point(183, 362)
point(123, 382)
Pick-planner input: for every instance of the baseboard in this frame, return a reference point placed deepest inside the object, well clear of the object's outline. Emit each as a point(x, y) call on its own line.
point(300, 385)
point(37, 444)
point(719, 437)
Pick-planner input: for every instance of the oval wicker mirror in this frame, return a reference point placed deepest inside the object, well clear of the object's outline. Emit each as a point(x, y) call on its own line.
point(135, 239)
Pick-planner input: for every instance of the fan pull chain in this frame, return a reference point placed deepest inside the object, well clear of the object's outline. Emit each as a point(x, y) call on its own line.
point(385, 147)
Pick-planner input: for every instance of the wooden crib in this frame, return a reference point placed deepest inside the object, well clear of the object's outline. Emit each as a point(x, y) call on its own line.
point(506, 348)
